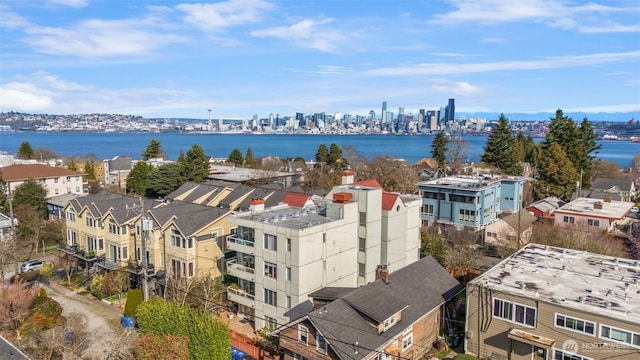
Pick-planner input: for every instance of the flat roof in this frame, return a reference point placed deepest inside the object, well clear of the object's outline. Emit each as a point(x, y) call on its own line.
point(288, 217)
point(587, 206)
point(240, 174)
point(468, 182)
point(578, 280)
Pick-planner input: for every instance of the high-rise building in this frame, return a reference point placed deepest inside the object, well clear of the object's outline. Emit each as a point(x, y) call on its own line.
point(450, 111)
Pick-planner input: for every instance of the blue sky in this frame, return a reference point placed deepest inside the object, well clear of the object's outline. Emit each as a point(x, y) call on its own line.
point(243, 57)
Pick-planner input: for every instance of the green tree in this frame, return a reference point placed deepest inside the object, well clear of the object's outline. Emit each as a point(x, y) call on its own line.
point(4, 202)
point(90, 172)
point(249, 160)
point(519, 148)
point(439, 149)
point(235, 158)
point(590, 148)
point(195, 165)
point(556, 175)
point(138, 178)
point(134, 299)
point(32, 194)
point(498, 151)
point(209, 337)
point(335, 159)
point(322, 155)
point(165, 179)
point(432, 244)
point(153, 150)
point(72, 165)
point(25, 151)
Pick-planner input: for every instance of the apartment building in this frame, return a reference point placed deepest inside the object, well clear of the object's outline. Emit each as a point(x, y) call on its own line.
point(55, 180)
point(549, 303)
point(285, 252)
point(587, 214)
point(469, 201)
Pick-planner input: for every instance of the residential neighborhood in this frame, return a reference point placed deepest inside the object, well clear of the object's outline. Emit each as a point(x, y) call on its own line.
point(347, 273)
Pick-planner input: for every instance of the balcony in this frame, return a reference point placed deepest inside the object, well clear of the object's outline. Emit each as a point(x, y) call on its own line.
point(69, 249)
point(136, 267)
point(241, 297)
point(236, 243)
point(108, 264)
point(240, 271)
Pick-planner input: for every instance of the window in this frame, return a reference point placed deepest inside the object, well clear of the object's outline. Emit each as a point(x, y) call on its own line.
point(467, 215)
point(270, 297)
point(270, 242)
point(72, 237)
point(288, 244)
point(561, 355)
point(569, 219)
point(298, 357)
point(593, 222)
point(321, 344)
point(71, 215)
point(178, 240)
point(288, 275)
point(303, 334)
point(620, 335)
point(214, 235)
point(57, 191)
point(362, 244)
point(288, 302)
point(55, 180)
point(389, 322)
point(91, 222)
point(92, 244)
point(407, 330)
point(270, 270)
point(427, 210)
point(488, 211)
point(492, 234)
point(361, 270)
point(270, 323)
point(363, 218)
point(100, 244)
point(113, 228)
point(518, 313)
point(68, 178)
point(125, 253)
point(181, 269)
point(582, 326)
point(407, 342)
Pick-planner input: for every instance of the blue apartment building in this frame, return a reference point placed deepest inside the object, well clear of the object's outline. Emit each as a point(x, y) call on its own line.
point(470, 202)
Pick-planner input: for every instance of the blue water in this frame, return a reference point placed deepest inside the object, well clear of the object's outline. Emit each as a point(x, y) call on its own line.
point(411, 148)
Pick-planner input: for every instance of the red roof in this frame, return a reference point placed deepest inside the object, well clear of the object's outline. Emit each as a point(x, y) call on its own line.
point(388, 200)
point(369, 183)
point(296, 199)
point(34, 171)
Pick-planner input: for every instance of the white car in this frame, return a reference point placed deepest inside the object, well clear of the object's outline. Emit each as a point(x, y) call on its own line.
point(635, 209)
point(32, 265)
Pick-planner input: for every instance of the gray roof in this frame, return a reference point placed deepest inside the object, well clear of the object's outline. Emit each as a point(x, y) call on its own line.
point(189, 218)
point(61, 200)
point(330, 293)
point(597, 194)
point(123, 208)
point(607, 184)
point(417, 288)
point(548, 204)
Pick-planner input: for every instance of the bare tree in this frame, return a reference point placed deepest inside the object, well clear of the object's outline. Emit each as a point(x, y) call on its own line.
point(457, 152)
point(393, 174)
point(605, 169)
point(15, 306)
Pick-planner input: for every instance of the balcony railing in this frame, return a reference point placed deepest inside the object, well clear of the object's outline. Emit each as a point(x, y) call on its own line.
point(69, 249)
point(241, 245)
point(109, 265)
point(241, 293)
point(240, 241)
point(234, 264)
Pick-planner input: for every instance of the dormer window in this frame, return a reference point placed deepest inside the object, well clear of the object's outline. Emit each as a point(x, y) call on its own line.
point(389, 322)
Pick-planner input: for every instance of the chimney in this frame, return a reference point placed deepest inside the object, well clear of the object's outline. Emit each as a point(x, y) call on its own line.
point(597, 205)
point(347, 177)
point(382, 272)
point(607, 199)
point(342, 197)
point(256, 206)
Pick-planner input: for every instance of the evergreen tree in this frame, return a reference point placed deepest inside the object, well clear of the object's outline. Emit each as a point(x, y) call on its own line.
point(25, 151)
point(72, 166)
point(153, 150)
point(591, 149)
point(195, 165)
point(498, 150)
point(165, 179)
point(32, 194)
point(519, 147)
point(335, 159)
point(90, 171)
point(322, 155)
point(249, 160)
point(439, 149)
point(556, 174)
point(4, 202)
point(138, 178)
point(235, 158)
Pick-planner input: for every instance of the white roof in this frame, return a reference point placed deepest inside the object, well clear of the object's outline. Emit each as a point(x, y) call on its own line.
point(587, 207)
point(574, 279)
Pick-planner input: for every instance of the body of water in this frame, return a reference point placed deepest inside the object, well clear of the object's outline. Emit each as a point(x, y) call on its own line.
point(409, 147)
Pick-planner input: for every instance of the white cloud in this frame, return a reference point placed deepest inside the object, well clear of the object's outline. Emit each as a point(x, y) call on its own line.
point(71, 3)
point(221, 15)
point(455, 87)
point(307, 33)
point(54, 82)
point(467, 68)
point(606, 108)
point(26, 97)
point(11, 20)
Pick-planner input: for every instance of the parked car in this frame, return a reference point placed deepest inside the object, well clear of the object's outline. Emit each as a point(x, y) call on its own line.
point(635, 209)
point(31, 265)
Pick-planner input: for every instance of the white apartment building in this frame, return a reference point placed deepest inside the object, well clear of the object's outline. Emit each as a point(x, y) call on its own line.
point(55, 180)
point(284, 253)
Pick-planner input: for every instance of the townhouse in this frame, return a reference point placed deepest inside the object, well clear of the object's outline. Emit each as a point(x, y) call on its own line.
point(470, 202)
point(285, 252)
point(549, 303)
point(397, 316)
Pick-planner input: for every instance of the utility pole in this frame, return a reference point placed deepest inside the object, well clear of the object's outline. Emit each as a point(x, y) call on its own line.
point(143, 255)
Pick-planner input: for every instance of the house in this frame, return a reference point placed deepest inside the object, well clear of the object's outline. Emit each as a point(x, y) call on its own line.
point(56, 204)
point(551, 303)
point(116, 170)
point(470, 202)
point(588, 214)
point(428, 169)
point(54, 179)
point(285, 252)
point(512, 230)
point(5, 226)
point(398, 315)
point(624, 189)
point(544, 209)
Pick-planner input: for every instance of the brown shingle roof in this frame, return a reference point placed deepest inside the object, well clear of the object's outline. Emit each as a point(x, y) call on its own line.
point(33, 171)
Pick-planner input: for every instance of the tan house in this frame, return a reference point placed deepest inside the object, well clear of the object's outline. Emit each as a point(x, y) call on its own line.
point(54, 179)
point(397, 316)
point(548, 303)
point(513, 230)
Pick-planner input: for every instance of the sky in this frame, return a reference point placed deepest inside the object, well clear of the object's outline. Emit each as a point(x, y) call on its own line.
point(237, 58)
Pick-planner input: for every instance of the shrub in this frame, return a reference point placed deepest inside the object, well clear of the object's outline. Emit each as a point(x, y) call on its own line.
point(42, 293)
point(46, 314)
point(464, 357)
point(47, 270)
point(96, 286)
point(167, 347)
point(134, 298)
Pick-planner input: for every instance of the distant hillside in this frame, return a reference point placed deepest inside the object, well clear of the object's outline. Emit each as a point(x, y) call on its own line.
point(542, 116)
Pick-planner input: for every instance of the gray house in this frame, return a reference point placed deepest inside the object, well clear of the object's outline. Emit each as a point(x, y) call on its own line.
point(617, 189)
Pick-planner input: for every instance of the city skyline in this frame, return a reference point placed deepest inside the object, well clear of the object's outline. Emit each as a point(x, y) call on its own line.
point(240, 57)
